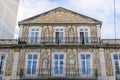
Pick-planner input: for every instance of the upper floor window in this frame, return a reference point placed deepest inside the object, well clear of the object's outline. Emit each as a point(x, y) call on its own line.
point(34, 34)
point(59, 35)
point(83, 35)
point(2, 63)
point(116, 58)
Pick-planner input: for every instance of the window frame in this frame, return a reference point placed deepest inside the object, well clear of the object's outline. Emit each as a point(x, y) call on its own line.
point(37, 65)
point(78, 33)
point(5, 61)
point(64, 65)
point(91, 64)
point(59, 27)
point(39, 33)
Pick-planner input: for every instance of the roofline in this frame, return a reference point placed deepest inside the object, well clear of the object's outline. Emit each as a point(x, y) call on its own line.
point(55, 9)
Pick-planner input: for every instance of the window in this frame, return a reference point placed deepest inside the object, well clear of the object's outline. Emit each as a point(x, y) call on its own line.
point(116, 58)
point(34, 35)
point(59, 64)
point(32, 61)
point(2, 63)
point(59, 35)
point(85, 65)
point(84, 35)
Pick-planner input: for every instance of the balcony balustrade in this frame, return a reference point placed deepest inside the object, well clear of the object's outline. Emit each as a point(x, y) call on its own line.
point(50, 73)
point(58, 40)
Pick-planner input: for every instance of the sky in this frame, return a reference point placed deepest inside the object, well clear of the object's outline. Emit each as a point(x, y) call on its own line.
point(102, 10)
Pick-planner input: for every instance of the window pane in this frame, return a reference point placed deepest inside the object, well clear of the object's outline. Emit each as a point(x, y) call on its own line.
point(33, 29)
point(61, 56)
point(56, 56)
point(88, 56)
point(81, 30)
point(34, 67)
point(2, 57)
point(34, 56)
point(82, 56)
point(61, 29)
point(30, 56)
point(29, 67)
point(115, 57)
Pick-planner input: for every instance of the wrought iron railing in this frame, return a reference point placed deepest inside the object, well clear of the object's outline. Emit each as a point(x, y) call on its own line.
point(58, 40)
point(45, 73)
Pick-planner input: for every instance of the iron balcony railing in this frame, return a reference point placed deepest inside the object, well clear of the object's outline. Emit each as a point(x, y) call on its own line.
point(50, 73)
point(58, 40)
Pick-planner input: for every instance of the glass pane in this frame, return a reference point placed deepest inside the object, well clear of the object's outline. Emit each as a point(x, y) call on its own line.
point(88, 56)
point(2, 57)
point(86, 37)
point(29, 67)
point(61, 37)
point(34, 67)
point(57, 30)
point(33, 29)
point(30, 56)
point(37, 29)
point(81, 30)
point(115, 57)
point(61, 56)
point(61, 29)
point(56, 56)
point(88, 64)
point(82, 56)
point(86, 29)
point(56, 67)
point(35, 56)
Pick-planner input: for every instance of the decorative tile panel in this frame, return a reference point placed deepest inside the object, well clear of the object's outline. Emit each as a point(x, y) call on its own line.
point(96, 61)
point(108, 63)
point(9, 64)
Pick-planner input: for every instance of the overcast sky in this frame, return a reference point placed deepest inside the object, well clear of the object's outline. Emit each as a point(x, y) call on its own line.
point(98, 9)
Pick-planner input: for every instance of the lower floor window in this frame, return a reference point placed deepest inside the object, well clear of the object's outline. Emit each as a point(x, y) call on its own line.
point(85, 64)
point(32, 63)
point(2, 63)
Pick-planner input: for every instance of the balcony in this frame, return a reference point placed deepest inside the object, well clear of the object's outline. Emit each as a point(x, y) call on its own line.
point(58, 40)
point(64, 74)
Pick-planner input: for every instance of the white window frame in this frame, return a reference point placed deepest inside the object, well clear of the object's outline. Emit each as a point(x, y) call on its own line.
point(84, 27)
point(59, 27)
point(91, 64)
point(5, 61)
point(39, 33)
point(64, 66)
point(26, 63)
point(113, 61)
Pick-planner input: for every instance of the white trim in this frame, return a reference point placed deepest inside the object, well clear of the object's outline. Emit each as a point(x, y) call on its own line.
point(37, 67)
point(84, 27)
point(64, 63)
point(39, 32)
point(91, 62)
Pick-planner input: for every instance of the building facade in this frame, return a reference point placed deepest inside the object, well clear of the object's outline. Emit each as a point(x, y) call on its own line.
point(8, 17)
point(60, 44)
